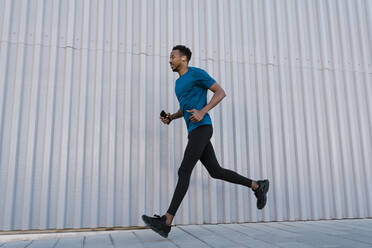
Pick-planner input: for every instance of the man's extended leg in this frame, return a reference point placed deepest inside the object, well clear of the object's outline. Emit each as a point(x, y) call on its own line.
point(198, 139)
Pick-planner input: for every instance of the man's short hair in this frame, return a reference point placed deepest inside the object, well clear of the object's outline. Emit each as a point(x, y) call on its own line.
point(184, 51)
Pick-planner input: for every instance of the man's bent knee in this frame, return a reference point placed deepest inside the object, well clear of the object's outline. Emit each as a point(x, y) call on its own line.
point(217, 174)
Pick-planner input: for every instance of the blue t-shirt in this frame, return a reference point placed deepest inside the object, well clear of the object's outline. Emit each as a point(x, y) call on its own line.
point(191, 90)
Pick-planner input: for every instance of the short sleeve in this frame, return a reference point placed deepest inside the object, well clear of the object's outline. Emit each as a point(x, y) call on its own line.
point(204, 80)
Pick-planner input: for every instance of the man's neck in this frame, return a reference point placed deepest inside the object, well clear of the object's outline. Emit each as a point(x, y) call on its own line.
point(183, 70)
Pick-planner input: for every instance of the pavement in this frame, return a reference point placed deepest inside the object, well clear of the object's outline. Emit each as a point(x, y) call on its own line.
point(351, 233)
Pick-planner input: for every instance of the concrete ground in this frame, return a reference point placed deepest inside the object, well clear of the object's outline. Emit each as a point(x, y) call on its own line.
point(330, 233)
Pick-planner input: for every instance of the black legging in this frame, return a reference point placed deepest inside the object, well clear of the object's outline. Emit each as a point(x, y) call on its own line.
point(200, 148)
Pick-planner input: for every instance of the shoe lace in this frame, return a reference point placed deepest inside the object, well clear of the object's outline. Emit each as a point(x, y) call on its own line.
point(157, 216)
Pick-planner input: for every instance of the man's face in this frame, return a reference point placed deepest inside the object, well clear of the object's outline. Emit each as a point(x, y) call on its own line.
point(175, 60)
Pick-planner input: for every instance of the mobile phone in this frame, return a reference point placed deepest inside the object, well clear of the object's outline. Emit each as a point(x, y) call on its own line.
point(163, 114)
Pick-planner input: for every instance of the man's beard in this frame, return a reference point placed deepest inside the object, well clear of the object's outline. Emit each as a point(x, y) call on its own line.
point(175, 69)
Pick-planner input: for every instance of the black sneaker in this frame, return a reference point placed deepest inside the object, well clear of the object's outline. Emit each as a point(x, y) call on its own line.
point(157, 224)
point(260, 193)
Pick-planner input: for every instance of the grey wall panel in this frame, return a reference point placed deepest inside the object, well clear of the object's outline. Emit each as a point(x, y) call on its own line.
point(82, 84)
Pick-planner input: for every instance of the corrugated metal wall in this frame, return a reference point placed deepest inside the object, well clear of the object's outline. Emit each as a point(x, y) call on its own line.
point(82, 84)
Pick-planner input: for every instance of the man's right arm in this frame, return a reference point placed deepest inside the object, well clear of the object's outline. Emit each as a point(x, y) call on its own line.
point(176, 115)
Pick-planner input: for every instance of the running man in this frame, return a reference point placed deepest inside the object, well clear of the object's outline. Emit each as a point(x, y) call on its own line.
point(191, 90)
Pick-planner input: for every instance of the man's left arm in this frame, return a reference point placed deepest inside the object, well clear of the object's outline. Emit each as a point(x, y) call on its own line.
point(218, 95)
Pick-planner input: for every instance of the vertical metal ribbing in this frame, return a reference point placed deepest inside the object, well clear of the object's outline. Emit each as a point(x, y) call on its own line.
point(82, 85)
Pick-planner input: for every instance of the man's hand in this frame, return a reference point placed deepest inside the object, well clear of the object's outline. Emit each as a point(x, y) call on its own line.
point(167, 119)
point(197, 115)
